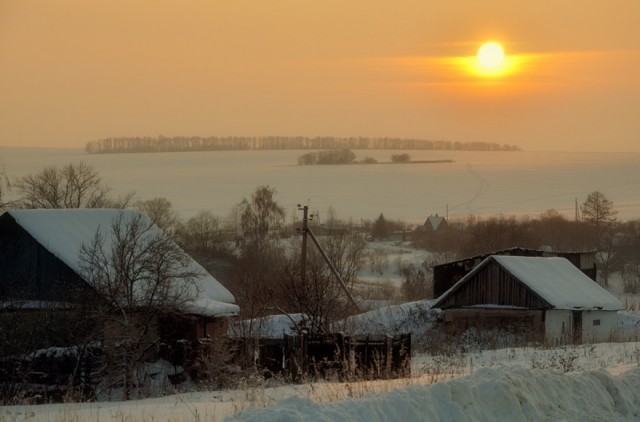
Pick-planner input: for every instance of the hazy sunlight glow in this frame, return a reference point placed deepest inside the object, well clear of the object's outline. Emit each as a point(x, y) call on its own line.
point(490, 61)
point(490, 55)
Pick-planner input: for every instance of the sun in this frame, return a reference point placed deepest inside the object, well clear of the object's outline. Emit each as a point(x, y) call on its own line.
point(490, 55)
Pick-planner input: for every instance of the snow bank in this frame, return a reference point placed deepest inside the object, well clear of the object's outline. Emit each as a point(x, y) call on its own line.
point(412, 317)
point(509, 393)
point(628, 325)
point(273, 326)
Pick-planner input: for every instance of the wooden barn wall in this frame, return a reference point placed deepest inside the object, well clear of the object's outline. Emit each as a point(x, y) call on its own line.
point(446, 275)
point(493, 285)
point(29, 271)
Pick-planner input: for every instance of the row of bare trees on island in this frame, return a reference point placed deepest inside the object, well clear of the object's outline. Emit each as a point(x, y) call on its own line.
point(222, 143)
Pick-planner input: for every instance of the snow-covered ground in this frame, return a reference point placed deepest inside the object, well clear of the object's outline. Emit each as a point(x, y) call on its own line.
point(384, 259)
point(504, 394)
point(592, 382)
point(574, 383)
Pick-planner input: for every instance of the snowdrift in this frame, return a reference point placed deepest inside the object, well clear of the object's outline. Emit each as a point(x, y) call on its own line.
point(506, 394)
point(416, 318)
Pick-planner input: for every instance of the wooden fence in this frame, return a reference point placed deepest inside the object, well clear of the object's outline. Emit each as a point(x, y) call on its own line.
point(333, 356)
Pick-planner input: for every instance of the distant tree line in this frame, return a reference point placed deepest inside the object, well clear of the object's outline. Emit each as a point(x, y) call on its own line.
point(215, 143)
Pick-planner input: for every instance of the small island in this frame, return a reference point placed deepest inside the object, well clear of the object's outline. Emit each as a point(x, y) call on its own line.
point(346, 156)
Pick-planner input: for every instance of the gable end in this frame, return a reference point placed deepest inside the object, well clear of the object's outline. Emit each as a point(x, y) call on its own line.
point(29, 271)
point(491, 284)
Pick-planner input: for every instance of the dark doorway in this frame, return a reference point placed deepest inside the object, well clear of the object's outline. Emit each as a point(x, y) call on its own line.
point(577, 326)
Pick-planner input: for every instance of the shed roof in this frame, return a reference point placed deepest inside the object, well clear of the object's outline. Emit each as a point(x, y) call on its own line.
point(517, 251)
point(555, 280)
point(63, 232)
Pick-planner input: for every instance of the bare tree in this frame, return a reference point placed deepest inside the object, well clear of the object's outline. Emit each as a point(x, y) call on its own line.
point(161, 213)
point(5, 187)
point(598, 212)
point(418, 283)
point(497, 233)
point(253, 279)
point(378, 260)
point(629, 244)
point(201, 235)
point(72, 186)
point(260, 218)
point(141, 275)
point(254, 282)
point(597, 209)
point(345, 248)
point(319, 295)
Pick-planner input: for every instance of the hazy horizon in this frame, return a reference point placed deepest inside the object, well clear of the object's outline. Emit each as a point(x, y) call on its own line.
point(477, 183)
point(73, 71)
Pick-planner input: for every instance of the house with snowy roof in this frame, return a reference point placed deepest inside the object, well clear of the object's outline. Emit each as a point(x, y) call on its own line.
point(40, 268)
point(445, 275)
point(435, 223)
point(546, 297)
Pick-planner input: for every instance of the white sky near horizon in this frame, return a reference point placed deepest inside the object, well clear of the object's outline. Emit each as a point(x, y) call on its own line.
point(73, 71)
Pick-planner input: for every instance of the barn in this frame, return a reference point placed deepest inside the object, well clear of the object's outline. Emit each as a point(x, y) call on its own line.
point(547, 297)
point(40, 270)
point(447, 274)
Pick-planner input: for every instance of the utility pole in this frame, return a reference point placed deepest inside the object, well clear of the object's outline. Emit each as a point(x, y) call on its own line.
point(303, 259)
point(305, 229)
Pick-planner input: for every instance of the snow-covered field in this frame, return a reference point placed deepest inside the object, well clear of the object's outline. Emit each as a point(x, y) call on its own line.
point(478, 183)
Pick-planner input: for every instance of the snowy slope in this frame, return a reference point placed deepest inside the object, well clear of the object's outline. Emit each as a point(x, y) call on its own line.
point(505, 394)
point(412, 317)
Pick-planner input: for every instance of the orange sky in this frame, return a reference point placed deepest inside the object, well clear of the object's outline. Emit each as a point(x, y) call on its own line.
point(73, 71)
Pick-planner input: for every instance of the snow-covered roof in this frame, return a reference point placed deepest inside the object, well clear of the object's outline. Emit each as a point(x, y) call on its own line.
point(434, 221)
point(63, 232)
point(417, 318)
point(518, 251)
point(557, 281)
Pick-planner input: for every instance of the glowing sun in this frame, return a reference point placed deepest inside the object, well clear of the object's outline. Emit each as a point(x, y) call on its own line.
point(490, 55)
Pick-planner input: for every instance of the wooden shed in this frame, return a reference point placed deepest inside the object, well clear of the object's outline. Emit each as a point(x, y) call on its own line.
point(447, 274)
point(549, 297)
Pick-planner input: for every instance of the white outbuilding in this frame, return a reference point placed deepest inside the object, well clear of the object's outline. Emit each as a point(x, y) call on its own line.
point(548, 298)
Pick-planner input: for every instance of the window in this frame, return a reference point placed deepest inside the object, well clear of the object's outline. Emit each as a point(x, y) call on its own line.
point(596, 322)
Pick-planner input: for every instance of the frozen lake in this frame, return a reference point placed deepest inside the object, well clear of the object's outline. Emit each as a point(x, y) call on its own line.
point(479, 183)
